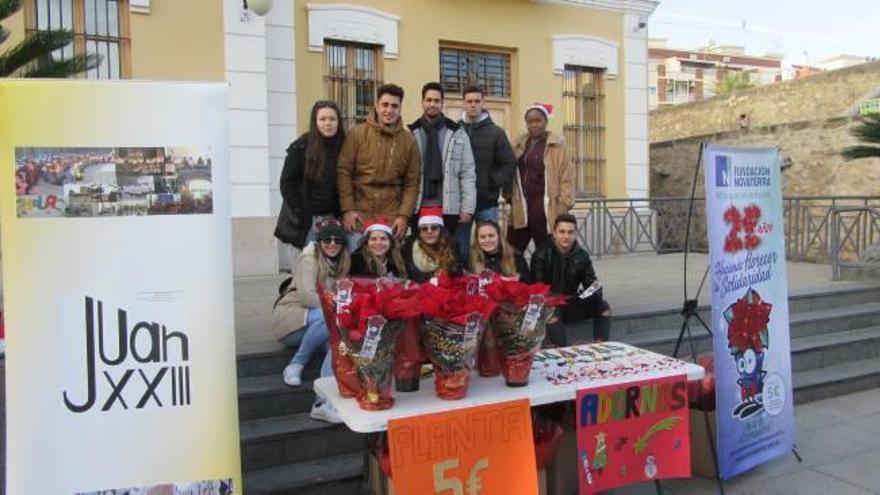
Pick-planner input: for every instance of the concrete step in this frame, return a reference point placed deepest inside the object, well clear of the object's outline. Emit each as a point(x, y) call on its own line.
point(823, 350)
point(802, 324)
point(837, 379)
point(267, 362)
point(267, 395)
point(337, 475)
point(280, 440)
point(652, 319)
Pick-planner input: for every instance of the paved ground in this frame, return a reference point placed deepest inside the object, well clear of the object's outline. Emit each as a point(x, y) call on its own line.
point(839, 440)
point(633, 283)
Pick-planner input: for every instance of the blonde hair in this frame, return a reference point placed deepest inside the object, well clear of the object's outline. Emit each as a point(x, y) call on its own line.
point(478, 258)
point(327, 269)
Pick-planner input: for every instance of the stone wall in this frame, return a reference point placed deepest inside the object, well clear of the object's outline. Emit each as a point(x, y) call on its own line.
point(811, 161)
point(818, 97)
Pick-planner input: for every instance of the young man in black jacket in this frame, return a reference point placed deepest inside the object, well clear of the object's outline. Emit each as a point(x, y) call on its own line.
point(494, 162)
point(567, 268)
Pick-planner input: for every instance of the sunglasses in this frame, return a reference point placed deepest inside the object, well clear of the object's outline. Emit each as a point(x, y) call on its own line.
point(332, 240)
point(429, 228)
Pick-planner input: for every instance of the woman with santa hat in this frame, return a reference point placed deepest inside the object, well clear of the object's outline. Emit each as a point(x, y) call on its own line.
point(543, 186)
point(379, 254)
point(430, 251)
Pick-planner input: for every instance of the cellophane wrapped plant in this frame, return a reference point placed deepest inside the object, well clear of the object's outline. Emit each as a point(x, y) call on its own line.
point(369, 314)
point(519, 324)
point(454, 316)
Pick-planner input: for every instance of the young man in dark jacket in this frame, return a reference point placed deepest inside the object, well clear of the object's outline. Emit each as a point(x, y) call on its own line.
point(494, 161)
point(567, 268)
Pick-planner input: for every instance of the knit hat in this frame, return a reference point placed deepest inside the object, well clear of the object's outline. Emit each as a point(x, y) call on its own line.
point(545, 108)
point(431, 215)
point(327, 228)
point(380, 224)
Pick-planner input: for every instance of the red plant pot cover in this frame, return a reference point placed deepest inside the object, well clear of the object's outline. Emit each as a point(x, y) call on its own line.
point(409, 356)
point(517, 368)
point(451, 385)
point(374, 396)
point(343, 367)
point(489, 356)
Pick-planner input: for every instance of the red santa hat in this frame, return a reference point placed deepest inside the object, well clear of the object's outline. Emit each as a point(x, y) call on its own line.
point(545, 108)
point(431, 215)
point(380, 224)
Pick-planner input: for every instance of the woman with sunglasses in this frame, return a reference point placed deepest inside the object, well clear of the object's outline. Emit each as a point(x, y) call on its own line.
point(430, 251)
point(490, 251)
point(379, 254)
point(308, 179)
point(298, 318)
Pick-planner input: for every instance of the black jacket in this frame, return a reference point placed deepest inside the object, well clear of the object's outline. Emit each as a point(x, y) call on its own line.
point(494, 160)
point(566, 273)
point(359, 267)
point(493, 262)
point(299, 195)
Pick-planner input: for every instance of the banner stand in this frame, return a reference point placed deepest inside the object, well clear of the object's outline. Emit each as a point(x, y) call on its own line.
point(688, 312)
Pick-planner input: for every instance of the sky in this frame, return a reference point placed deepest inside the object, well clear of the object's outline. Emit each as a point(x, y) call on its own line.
point(802, 30)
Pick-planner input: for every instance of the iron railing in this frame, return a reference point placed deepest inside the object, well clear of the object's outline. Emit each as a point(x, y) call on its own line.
point(853, 230)
point(619, 226)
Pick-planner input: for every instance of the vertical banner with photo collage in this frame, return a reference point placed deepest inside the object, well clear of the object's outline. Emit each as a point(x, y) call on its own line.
point(117, 286)
point(755, 407)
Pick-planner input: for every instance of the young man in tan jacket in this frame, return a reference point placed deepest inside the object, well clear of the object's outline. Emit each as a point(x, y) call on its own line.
point(378, 168)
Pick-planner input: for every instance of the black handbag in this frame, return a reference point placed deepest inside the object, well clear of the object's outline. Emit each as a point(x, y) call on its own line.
point(291, 227)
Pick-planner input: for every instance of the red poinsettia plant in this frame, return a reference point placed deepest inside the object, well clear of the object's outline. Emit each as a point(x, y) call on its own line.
point(368, 315)
point(519, 323)
point(454, 299)
point(747, 321)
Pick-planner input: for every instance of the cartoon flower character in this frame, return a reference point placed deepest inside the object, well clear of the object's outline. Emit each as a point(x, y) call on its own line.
point(747, 338)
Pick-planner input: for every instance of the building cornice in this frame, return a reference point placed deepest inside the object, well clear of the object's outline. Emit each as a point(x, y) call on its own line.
point(642, 7)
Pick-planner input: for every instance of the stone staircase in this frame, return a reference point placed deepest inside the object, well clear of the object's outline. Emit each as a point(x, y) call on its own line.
point(835, 345)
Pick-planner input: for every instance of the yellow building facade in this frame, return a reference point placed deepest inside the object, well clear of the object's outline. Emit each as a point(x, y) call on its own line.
point(588, 58)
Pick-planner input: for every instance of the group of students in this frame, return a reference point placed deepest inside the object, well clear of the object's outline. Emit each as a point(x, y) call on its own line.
point(383, 201)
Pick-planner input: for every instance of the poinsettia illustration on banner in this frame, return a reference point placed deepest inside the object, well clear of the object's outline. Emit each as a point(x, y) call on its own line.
point(747, 338)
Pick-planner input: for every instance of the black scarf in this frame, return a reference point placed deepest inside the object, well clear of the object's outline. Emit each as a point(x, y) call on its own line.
point(432, 158)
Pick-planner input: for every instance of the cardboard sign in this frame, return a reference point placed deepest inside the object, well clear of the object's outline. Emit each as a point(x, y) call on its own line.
point(631, 433)
point(484, 450)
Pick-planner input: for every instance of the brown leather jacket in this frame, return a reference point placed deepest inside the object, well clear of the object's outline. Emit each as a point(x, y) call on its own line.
point(558, 183)
point(378, 170)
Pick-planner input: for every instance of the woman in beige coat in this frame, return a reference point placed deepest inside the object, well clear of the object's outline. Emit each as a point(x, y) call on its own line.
point(543, 186)
point(298, 318)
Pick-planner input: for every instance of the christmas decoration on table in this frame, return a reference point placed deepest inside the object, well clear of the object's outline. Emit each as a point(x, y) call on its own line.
point(519, 323)
point(369, 314)
point(454, 317)
point(747, 338)
point(599, 361)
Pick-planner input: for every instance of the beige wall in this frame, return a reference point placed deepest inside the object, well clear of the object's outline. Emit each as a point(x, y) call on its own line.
point(525, 27)
point(178, 40)
point(820, 96)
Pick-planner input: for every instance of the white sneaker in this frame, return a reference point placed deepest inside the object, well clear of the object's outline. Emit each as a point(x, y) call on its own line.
point(293, 375)
point(324, 411)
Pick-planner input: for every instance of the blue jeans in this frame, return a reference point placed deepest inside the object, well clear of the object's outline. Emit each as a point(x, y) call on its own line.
point(463, 231)
point(309, 339)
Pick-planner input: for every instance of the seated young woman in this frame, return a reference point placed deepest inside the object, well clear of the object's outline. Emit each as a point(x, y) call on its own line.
point(491, 251)
point(430, 251)
point(379, 253)
point(298, 318)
